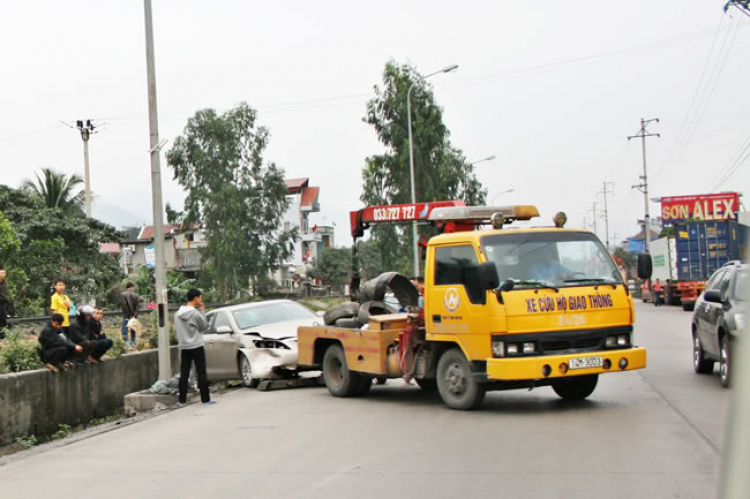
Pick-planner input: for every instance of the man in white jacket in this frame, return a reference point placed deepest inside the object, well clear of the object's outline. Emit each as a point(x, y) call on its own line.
point(189, 325)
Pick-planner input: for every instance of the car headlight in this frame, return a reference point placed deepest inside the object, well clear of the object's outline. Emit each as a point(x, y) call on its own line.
point(498, 348)
point(611, 341)
point(529, 347)
point(512, 348)
point(623, 340)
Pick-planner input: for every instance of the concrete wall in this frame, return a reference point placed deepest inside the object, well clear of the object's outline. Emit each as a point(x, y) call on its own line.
point(36, 402)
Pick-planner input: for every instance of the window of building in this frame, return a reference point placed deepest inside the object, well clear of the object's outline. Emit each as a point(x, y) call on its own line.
point(459, 265)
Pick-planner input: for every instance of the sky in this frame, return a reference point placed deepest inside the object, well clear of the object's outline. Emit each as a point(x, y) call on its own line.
point(551, 89)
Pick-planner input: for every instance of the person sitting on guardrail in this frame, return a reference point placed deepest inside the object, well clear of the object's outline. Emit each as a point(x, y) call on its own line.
point(80, 329)
point(97, 334)
point(55, 349)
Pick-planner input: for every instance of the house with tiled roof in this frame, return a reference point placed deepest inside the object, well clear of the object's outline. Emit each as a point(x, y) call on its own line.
point(181, 248)
point(304, 201)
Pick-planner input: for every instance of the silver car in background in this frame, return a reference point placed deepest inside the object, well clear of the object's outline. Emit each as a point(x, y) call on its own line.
point(255, 341)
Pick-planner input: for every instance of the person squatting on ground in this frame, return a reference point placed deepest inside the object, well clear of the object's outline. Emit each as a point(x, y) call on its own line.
point(80, 332)
point(55, 349)
point(95, 333)
point(129, 301)
point(61, 304)
point(189, 326)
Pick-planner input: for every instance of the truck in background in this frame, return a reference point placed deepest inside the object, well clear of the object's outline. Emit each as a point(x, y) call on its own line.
point(685, 262)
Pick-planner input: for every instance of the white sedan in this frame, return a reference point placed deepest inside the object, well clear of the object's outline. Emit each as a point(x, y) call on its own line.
point(255, 341)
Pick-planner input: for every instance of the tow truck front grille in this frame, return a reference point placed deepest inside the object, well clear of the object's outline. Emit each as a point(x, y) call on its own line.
point(557, 342)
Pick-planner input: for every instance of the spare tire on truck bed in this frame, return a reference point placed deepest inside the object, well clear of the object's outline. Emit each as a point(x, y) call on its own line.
point(346, 310)
point(404, 291)
point(369, 308)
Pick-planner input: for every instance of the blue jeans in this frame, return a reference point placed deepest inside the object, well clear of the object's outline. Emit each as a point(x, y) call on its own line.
point(125, 331)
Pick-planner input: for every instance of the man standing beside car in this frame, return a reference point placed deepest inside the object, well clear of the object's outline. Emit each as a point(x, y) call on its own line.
point(189, 326)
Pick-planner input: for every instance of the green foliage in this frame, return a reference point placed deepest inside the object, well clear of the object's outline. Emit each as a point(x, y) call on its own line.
point(178, 284)
point(27, 442)
point(63, 431)
point(55, 190)
point(105, 420)
point(441, 170)
point(630, 260)
point(237, 197)
point(667, 232)
point(54, 245)
point(18, 354)
point(119, 347)
point(332, 266)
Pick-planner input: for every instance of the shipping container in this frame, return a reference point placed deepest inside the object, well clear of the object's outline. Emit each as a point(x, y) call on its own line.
point(664, 258)
point(703, 247)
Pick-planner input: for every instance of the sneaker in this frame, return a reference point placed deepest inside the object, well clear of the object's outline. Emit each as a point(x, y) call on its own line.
point(210, 402)
point(180, 404)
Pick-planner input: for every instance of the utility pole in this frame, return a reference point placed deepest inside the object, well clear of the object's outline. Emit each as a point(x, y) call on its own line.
point(593, 211)
point(165, 368)
point(86, 129)
point(643, 186)
point(605, 190)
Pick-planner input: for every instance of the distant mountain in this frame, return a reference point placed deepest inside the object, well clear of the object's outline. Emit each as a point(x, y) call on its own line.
point(115, 216)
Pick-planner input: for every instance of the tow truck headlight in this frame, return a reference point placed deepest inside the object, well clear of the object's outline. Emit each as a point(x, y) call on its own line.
point(611, 341)
point(512, 348)
point(498, 349)
point(529, 347)
point(623, 340)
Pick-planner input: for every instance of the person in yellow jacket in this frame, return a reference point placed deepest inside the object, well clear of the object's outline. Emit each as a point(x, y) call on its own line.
point(61, 304)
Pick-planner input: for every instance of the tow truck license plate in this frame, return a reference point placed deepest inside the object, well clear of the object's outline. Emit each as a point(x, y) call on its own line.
point(585, 362)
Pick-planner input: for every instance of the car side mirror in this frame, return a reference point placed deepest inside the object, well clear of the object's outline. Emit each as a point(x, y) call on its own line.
point(223, 330)
point(488, 278)
point(645, 266)
point(712, 296)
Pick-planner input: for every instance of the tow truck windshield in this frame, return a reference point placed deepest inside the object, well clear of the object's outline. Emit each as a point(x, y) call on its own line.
point(559, 259)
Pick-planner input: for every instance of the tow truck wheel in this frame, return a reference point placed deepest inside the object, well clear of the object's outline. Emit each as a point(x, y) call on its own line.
point(341, 382)
point(457, 387)
point(575, 387)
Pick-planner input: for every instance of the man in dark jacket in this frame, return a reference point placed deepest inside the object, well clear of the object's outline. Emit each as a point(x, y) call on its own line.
point(96, 334)
point(129, 305)
point(55, 349)
point(4, 302)
point(80, 331)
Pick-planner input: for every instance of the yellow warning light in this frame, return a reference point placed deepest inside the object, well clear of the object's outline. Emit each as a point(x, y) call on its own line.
point(525, 212)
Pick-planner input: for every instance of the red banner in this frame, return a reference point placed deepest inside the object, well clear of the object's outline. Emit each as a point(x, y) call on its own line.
point(721, 206)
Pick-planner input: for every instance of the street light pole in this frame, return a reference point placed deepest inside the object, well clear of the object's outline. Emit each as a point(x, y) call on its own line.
point(501, 193)
point(86, 130)
point(446, 69)
point(165, 368)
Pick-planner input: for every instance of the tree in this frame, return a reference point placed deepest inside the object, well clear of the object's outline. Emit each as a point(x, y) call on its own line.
point(332, 266)
point(238, 199)
point(55, 190)
point(441, 170)
point(55, 244)
point(629, 259)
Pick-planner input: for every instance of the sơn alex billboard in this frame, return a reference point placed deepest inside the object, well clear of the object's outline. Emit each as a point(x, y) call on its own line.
point(720, 206)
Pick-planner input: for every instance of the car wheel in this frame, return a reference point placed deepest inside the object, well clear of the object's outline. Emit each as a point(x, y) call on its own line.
point(700, 363)
point(340, 381)
point(246, 373)
point(575, 387)
point(427, 384)
point(457, 387)
point(724, 356)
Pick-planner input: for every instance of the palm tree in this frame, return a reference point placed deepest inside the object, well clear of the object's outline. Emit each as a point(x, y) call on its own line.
point(56, 191)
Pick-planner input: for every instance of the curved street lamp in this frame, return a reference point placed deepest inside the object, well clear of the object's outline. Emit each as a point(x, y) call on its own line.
point(501, 193)
point(446, 69)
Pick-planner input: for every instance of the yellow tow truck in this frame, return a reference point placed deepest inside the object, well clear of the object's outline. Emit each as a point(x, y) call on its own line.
point(503, 308)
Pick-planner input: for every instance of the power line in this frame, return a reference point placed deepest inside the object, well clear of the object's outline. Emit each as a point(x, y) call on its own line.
point(732, 167)
point(605, 190)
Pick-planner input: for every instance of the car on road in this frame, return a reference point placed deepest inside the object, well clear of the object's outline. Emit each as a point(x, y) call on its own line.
point(255, 341)
point(718, 318)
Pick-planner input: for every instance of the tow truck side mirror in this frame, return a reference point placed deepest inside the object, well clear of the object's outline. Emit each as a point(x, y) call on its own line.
point(645, 266)
point(488, 278)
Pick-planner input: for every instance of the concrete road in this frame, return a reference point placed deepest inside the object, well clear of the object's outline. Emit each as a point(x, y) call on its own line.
point(645, 435)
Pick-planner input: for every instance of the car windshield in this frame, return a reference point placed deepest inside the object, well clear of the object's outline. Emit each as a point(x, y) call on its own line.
point(740, 285)
point(259, 315)
point(559, 259)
